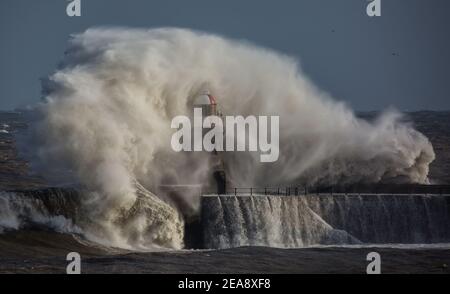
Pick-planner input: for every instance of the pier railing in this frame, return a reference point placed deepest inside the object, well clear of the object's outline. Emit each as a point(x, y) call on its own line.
point(354, 189)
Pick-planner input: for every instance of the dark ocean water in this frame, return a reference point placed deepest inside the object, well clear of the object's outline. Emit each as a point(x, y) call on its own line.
point(45, 252)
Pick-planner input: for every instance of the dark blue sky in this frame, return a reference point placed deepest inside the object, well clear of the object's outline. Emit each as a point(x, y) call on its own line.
point(340, 48)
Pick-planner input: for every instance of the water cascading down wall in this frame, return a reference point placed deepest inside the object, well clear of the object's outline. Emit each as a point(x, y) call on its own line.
point(298, 221)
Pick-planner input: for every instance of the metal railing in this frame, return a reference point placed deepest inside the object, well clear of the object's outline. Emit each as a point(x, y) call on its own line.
point(376, 189)
point(287, 191)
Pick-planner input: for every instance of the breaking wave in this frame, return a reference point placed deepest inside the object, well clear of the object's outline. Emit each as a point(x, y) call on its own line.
point(105, 123)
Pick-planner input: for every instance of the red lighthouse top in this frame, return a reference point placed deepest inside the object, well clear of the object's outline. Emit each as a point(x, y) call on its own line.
point(212, 99)
point(205, 98)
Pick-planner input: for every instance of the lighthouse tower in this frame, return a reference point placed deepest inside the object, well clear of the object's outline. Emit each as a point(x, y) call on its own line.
point(217, 180)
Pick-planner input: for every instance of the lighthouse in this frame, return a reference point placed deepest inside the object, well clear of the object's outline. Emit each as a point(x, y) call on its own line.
point(207, 103)
point(217, 181)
